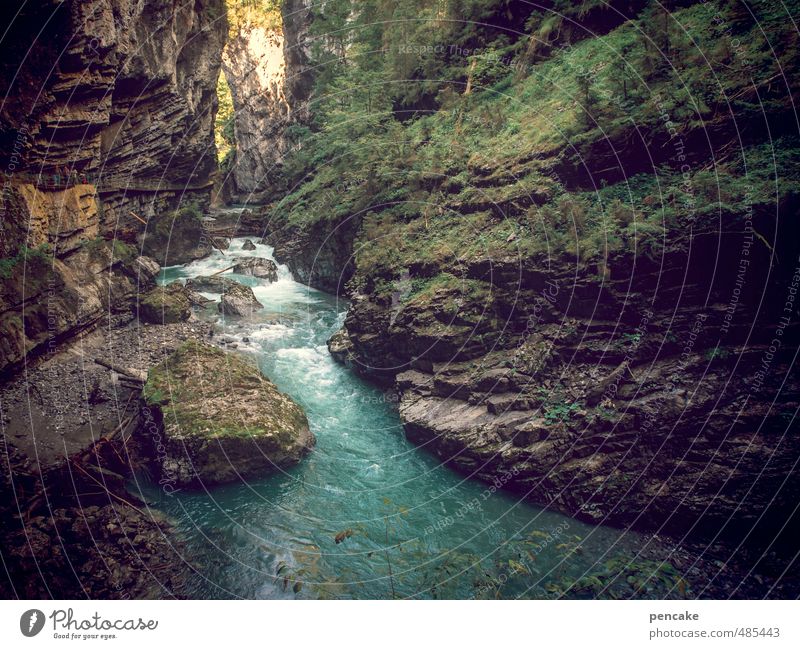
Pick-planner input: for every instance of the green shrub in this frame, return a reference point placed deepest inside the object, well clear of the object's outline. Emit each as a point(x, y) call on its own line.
point(42, 252)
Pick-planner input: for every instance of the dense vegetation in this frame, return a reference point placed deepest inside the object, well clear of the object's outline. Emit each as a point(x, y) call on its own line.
point(591, 129)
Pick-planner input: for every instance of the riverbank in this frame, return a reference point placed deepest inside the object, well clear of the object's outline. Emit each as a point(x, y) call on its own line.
point(70, 528)
point(367, 497)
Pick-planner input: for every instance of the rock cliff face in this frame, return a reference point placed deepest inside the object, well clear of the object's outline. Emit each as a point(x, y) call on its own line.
point(296, 17)
point(269, 76)
point(630, 400)
point(254, 66)
point(318, 254)
point(118, 96)
point(534, 337)
point(105, 122)
point(116, 86)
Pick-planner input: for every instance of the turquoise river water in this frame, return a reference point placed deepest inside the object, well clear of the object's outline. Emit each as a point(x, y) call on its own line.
point(406, 526)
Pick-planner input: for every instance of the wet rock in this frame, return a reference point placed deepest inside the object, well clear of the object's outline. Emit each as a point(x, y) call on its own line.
point(340, 347)
point(239, 300)
point(248, 245)
point(165, 304)
point(223, 420)
point(257, 267)
point(210, 284)
point(196, 298)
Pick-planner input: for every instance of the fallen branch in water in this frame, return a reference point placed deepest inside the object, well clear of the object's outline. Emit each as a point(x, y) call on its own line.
point(221, 271)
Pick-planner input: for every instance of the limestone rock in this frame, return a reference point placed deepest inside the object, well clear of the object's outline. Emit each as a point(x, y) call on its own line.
point(223, 421)
point(239, 300)
point(121, 93)
point(257, 267)
point(148, 268)
point(269, 74)
point(165, 304)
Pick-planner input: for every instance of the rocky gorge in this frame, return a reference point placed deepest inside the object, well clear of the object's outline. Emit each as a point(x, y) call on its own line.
point(645, 384)
point(568, 279)
point(107, 146)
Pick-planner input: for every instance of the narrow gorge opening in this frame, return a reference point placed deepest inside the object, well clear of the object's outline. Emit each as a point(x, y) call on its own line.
point(254, 113)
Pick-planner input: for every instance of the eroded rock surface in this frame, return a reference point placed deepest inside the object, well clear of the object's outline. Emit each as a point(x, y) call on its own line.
point(586, 397)
point(165, 304)
point(257, 267)
point(222, 420)
point(122, 95)
point(239, 300)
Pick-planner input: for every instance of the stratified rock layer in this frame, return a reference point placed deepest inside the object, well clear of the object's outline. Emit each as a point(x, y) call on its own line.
point(590, 399)
point(118, 97)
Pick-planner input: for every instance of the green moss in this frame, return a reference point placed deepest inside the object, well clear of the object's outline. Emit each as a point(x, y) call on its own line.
point(41, 253)
point(193, 387)
point(165, 304)
point(474, 177)
point(123, 251)
point(120, 250)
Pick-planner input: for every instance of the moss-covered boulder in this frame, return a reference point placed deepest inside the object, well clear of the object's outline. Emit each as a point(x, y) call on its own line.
point(176, 238)
point(165, 304)
point(222, 420)
point(210, 283)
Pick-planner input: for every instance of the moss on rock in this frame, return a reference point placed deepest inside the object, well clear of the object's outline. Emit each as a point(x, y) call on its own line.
point(222, 419)
point(165, 304)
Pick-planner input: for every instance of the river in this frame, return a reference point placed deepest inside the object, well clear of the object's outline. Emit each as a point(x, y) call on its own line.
point(366, 514)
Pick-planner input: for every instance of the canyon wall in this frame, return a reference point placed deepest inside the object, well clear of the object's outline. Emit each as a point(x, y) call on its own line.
point(503, 284)
point(269, 75)
point(106, 121)
point(255, 69)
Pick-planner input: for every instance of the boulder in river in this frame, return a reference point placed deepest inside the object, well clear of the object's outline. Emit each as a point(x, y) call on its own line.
point(210, 283)
point(239, 300)
point(341, 347)
point(176, 238)
point(148, 269)
point(221, 243)
point(165, 304)
point(257, 267)
point(222, 420)
point(248, 245)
